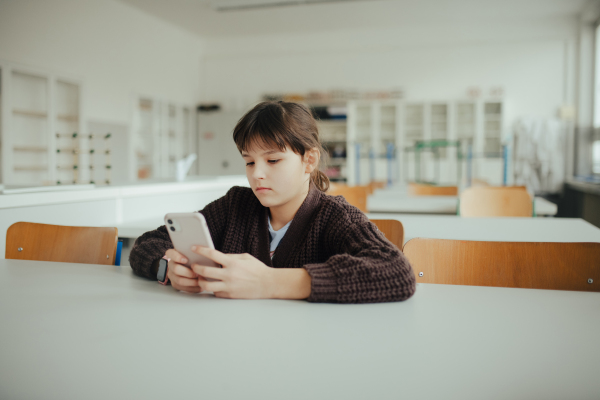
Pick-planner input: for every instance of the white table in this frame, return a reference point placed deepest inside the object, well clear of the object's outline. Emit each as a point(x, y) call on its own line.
point(454, 227)
point(390, 202)
point(507, 229)
point(75, 331)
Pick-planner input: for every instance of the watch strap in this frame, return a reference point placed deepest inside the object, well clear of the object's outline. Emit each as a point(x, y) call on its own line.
point(166, 281)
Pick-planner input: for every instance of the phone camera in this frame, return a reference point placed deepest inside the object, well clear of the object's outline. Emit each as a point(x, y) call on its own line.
point(172, 228)
point(169, 221)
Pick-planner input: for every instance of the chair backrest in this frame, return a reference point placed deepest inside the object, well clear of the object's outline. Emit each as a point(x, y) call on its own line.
point(392, 229)
point(355, 195)
point(558, 266)
point(375, 185)
point(496, 201)
point(421, 189)
point(76, 244)
point(333, 186)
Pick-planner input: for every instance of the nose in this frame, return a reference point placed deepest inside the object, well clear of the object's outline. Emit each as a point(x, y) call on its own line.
point(258, 172)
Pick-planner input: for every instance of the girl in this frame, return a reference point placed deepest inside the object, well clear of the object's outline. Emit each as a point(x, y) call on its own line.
point(284, 237)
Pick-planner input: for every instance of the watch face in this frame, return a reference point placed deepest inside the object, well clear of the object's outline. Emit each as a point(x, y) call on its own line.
point(161, 275)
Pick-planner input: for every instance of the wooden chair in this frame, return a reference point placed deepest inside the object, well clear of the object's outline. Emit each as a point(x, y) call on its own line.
point(392, 229)
point(479, 182)
point(496, 201)
point(375, 185)
point(355, 195)
point(76, 244)
point(333, 186)
point(558, 266)
point(421, 189)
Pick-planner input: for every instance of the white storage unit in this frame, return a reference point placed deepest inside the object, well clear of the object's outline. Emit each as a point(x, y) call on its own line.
point(162, 133)
point(333, 135)
point(373, 125)
point(41, 126)
point(217, 152)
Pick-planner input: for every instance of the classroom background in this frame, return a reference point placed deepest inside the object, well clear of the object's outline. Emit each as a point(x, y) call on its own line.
point(468, 131)
point(119, 100)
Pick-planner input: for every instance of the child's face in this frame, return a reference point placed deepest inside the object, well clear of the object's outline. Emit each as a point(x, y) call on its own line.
point(276, 176)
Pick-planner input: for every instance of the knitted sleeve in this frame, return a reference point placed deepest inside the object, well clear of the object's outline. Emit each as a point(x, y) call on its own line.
point(153, 245)
point(366, 267)
point(148, 248)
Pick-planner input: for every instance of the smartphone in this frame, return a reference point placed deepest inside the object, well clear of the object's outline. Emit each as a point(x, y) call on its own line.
point(187, 230)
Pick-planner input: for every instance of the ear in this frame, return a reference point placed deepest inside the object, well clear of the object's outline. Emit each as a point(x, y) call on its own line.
point(311, 159)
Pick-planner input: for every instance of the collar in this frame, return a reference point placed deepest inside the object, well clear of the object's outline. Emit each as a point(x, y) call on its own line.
point(295, 232)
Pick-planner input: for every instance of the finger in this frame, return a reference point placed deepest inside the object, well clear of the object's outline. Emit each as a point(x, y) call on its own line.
point(187, 282)
point(181, 270)
point(210, 286)
point(188, 289)
point(213, 254)
point(180, 280)
point(176, 256)
point(223, 295)
point(209, 272)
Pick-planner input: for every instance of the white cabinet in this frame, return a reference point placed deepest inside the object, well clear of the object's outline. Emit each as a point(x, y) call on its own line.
point(41, 125)
point(374, 134)
point(383, 135)
point(217, 152)
point(333, 134)
point(162, 133)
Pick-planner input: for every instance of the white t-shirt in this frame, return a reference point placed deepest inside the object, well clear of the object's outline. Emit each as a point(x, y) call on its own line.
point(276, 236)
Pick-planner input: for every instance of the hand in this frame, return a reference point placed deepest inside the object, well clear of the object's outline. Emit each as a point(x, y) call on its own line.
point(242, 276)
point(181, 277)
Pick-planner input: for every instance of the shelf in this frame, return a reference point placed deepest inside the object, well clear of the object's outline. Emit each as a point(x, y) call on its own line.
point(337, 161)
point(332, 122)
point(68, 118)
point(32, 149)
point(30, 168)
point(67, 150)
point(27, 113)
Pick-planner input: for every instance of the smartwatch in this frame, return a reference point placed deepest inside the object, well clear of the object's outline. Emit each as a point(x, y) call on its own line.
point(161, 275)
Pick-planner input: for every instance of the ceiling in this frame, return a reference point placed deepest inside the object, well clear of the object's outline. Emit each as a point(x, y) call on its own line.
point(252, 17)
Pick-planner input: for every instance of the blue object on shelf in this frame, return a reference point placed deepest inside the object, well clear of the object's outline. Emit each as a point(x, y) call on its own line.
point(119, 248)
point(357, 147)
point(390, 160)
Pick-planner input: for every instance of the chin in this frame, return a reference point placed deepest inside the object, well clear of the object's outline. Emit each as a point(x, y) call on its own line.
point(266, 201)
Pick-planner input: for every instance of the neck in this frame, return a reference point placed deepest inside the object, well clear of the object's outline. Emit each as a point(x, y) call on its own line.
point(284, 213)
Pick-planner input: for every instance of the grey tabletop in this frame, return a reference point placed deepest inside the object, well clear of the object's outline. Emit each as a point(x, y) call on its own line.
point(75, 331)
point(506, 229)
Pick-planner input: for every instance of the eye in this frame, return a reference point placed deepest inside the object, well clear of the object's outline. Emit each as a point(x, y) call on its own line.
point(273, 161)
point(249, 164)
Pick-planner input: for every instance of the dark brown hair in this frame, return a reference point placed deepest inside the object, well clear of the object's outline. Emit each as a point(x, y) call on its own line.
point(282, 124)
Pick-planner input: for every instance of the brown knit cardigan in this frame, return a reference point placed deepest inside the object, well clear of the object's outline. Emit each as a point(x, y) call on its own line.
point(348, 259)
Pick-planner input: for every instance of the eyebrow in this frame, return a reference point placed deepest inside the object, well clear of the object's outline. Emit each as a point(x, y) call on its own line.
point(263, 154)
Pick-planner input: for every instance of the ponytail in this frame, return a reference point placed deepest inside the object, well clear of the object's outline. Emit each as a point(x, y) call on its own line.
point(320, 180)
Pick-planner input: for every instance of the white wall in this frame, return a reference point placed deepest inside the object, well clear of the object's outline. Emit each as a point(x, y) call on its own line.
point(532, 60)
point(117, 50)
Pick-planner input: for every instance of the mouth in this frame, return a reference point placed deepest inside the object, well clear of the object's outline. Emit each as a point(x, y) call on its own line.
point(261, 189)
